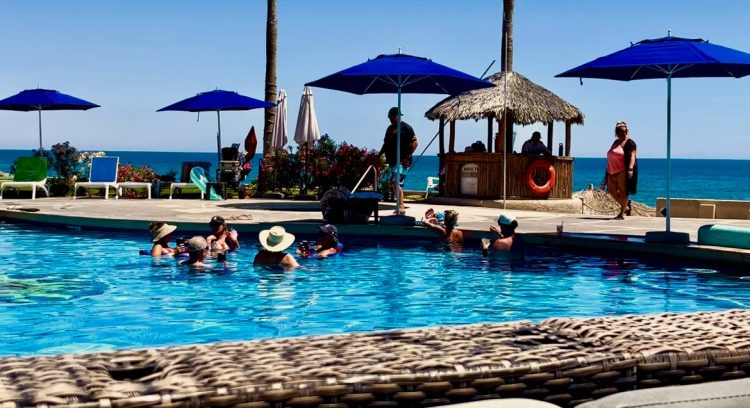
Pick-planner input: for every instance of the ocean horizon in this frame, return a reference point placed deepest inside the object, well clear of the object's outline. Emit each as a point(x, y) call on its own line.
point(721, 179)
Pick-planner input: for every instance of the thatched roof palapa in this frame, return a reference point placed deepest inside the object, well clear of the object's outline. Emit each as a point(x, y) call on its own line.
point(528, 102)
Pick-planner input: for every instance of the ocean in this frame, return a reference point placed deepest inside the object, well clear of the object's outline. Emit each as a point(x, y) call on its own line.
point(691, 178)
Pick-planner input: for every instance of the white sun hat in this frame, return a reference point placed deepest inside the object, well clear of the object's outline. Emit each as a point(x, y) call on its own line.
point(275, 239)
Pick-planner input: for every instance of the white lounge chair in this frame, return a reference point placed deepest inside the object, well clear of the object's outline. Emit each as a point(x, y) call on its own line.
point(432, 183)
point(133, 185)
point(103, 175)
point(30, 172)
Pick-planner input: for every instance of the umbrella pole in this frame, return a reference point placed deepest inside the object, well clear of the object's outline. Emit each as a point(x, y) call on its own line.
point(669, 149)
point(40, 130)
point(398, 151)
point(218, 144)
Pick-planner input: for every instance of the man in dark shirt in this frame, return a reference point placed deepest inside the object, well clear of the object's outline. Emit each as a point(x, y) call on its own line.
point(535, 145)
point(408, 146)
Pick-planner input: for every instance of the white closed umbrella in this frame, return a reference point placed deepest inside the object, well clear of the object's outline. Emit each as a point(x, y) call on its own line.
point(279, 129)
point(307, 130)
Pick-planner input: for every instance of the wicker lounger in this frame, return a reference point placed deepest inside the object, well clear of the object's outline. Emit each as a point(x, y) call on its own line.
point(562, 361)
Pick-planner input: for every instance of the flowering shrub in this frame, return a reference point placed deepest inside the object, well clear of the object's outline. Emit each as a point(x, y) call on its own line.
point(129, 172)
point(320, 167)
point(318, 164)
point(84, 162)
point(351, 163)
point(65, 161)
point(280, 171)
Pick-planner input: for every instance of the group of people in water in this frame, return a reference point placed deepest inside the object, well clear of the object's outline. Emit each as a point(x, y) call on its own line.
point(274, 245)
point(505, 241)
point(276, 241)
point(220, 240)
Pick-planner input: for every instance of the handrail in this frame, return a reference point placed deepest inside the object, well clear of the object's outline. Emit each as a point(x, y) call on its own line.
point(374, 179)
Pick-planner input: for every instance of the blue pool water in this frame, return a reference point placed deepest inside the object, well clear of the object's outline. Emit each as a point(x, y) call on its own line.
point(77, 291)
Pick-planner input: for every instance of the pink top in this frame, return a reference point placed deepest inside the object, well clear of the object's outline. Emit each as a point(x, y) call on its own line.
point(615, 160)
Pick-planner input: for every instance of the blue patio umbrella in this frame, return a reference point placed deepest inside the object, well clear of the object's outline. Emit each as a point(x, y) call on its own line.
point(400, 73)
point(217, 100)
point(43, 99)
point(666, 58)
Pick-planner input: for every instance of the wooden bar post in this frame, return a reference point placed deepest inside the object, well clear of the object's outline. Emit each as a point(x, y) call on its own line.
point(499, 147)
point(441, 156)
point(550, 127)
point(509, 132)
point(489, 134)
point(452, 142)
point(567, 139)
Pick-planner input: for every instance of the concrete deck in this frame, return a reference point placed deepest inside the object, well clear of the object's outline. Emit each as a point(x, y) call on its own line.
point(253, 215)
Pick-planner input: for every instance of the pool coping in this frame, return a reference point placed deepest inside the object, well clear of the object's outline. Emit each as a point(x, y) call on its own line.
point(622, 243)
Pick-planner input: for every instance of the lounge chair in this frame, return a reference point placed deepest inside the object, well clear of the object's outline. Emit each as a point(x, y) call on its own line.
point(134, 185)
point(186, 181)
point(103, 175)
point(30, 172)
point(432, 185)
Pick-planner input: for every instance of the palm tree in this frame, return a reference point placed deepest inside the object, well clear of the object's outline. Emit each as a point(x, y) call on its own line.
point(506, 63)
point(271, 43)
point(506, 54)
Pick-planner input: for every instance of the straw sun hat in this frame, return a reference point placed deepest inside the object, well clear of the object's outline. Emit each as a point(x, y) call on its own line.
point(275, 239)
point(160, 230)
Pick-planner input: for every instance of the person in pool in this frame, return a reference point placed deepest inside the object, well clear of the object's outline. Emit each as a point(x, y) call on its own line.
point(197, 249)
point(222, 238)
point(274, 242)
point(161, 235)
point(450, 234)
point(328, 243)
point(506, 240)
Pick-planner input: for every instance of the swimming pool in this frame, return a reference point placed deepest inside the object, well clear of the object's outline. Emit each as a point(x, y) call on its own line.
point(76, 291)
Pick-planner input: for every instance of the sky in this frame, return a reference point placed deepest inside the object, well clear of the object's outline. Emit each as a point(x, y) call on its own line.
point(134, 57)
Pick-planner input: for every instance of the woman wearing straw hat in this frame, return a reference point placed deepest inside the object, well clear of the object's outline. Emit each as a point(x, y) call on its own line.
point(273, 243)
point(161, 235)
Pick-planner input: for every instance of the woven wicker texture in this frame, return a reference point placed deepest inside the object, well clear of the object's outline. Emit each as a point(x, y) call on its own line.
point(600, 203)
point(670, 348)
point(563, 361)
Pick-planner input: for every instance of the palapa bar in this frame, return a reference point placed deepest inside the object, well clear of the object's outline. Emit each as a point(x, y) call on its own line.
point(563, 361)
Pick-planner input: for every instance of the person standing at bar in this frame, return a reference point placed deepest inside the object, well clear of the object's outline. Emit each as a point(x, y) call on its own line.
point(408, 146)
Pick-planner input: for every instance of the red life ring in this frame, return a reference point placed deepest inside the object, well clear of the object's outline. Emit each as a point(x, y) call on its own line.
point(533, 167)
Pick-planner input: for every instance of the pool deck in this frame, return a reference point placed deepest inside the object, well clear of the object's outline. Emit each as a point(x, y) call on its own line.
point(252, 215)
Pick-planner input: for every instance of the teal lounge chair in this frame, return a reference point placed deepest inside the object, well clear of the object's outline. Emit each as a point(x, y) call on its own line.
point(30, 172)
point(191, 172)
point(103, 175)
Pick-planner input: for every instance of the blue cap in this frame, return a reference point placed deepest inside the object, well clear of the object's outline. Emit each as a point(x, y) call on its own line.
point(505, 219)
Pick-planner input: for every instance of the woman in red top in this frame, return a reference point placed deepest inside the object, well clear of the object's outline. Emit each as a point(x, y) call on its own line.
point(622, 168)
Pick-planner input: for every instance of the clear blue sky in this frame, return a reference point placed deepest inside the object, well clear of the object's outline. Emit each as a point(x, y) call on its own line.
point(133, 57)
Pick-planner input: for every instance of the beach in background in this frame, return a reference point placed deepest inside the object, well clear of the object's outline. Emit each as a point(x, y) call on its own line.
point(691, 178)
